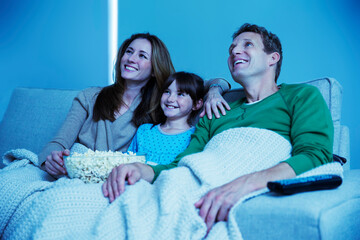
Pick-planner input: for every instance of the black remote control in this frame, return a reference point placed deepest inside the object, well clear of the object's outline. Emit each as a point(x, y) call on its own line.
point(296, 185)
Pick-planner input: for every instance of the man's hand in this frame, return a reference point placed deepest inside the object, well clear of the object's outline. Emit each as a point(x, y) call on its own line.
point(214, 102)
point(54, 164)
point(216, 204)
point(132, 173)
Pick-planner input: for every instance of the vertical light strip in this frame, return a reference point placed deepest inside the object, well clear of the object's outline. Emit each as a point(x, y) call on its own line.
point(112, 37)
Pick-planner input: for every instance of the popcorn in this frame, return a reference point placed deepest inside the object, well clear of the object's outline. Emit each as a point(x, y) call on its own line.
point(95, 166)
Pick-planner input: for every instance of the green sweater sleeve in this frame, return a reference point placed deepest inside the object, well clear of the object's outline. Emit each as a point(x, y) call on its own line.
point(311, 131)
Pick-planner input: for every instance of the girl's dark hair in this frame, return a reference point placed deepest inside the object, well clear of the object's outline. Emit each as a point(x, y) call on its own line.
point(109, 98)
point(188, 83)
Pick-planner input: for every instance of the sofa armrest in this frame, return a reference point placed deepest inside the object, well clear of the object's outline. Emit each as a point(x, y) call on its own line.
point(344, 146)
point(326, 214)
point(33, 117)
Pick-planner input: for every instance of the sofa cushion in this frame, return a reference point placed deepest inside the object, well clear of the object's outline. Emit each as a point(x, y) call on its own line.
point(325, 214)
point(33, 117)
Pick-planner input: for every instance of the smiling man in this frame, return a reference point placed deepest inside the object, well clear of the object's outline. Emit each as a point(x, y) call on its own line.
point(297, 112)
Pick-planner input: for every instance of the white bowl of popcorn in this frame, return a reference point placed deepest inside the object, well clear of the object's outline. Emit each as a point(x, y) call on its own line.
point(95, 166)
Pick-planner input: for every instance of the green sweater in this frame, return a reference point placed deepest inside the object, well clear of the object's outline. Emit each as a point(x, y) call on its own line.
point(297, 112)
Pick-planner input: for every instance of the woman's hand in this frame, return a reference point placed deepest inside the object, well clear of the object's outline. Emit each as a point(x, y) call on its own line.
point(214, 102)
point(54, 164)
point(132, 173)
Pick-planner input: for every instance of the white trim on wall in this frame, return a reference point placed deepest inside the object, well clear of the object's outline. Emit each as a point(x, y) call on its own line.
point(112, 37)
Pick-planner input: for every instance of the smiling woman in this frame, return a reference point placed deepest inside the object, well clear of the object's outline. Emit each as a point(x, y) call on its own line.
point(107, 118)
point(143, 63)
point(136, 63)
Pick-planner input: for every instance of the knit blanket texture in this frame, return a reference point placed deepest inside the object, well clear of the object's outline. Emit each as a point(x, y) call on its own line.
point(20, 182)
point(70, 209)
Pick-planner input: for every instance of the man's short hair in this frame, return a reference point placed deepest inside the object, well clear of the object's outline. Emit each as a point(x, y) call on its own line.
point(271, 42)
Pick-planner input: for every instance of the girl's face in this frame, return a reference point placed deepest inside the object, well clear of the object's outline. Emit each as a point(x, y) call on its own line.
point(176, 104)
point(136, 61)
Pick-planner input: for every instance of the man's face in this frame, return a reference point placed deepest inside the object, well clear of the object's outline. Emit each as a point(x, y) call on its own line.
point(247, 57)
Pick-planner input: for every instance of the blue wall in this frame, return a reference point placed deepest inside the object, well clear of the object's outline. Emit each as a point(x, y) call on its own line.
point(63, 44)
point(320, 38)
point(52, 44)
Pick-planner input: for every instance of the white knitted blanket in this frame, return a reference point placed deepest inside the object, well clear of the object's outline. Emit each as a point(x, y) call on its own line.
point(20, 181)
point(71, 209)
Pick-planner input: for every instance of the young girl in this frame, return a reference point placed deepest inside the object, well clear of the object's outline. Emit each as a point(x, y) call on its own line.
point(181, 101)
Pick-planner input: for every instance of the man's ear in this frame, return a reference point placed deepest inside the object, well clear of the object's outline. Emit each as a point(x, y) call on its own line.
point(274, 58)
point(197, 105)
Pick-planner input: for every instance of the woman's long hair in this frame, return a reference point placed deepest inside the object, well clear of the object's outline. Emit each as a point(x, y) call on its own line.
point(110, 98)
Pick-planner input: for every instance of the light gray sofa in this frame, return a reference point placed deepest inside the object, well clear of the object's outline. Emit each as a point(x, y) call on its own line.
point(34, 115)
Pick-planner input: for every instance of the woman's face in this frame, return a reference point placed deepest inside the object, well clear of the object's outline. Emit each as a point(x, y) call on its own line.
point(136, 61)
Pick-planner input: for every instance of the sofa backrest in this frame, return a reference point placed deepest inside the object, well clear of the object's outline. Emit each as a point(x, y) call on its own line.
point(332, 93)
point(33, 117)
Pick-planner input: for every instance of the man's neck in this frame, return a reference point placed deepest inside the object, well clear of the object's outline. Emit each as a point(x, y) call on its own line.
point(257, 89)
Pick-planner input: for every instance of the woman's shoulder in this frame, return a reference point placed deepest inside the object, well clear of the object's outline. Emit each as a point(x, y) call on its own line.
point(88, 94)
point(91, 91)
